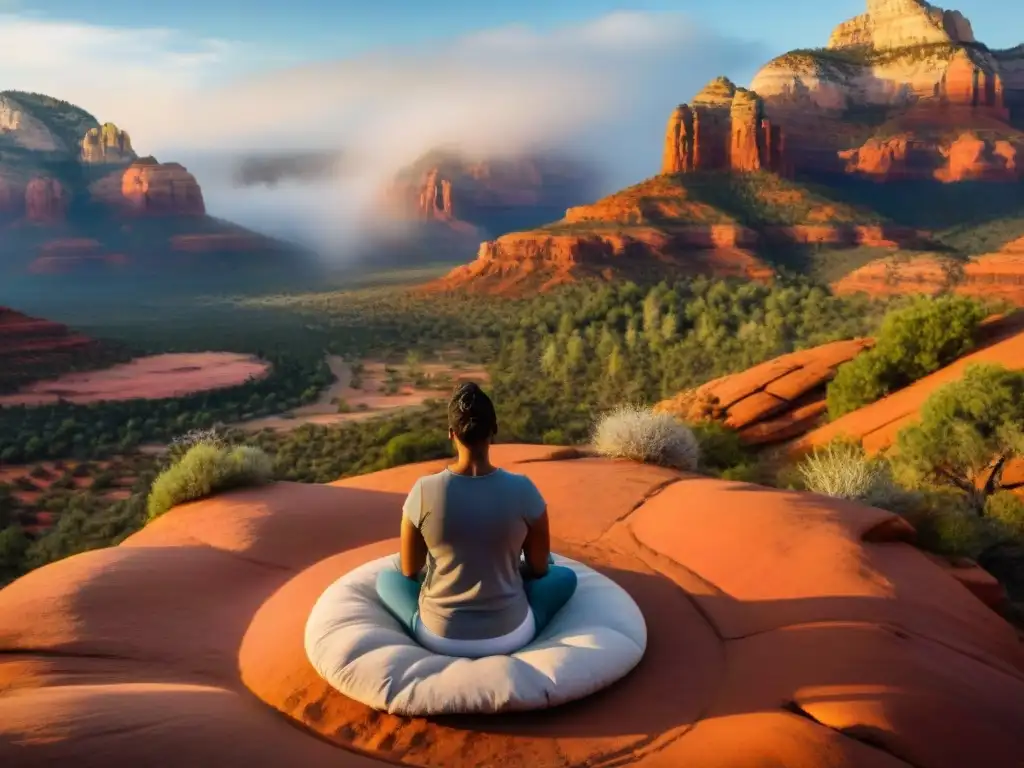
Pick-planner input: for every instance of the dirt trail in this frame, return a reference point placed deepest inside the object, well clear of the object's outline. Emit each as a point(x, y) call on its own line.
point(371, 398)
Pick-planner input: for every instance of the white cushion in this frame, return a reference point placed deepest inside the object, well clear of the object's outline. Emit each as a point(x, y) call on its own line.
point(357, 646)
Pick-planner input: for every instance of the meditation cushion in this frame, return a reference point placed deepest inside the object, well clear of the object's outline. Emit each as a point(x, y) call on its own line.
point(358, 647)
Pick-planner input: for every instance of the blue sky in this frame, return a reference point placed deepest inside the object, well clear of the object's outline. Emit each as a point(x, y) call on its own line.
point(319, 29)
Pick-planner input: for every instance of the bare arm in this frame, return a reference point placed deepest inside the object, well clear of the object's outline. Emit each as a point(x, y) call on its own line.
point(414, 550)
point(537, 546)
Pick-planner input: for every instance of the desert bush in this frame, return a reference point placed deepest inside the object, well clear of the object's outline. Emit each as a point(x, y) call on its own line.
point(721, 449)
point(967, 432)
point(947, 524)
point(1007, 510)
point(913, 341)
point(638, 433)
point(411, 448)
point(842, 470)
point(204, 470)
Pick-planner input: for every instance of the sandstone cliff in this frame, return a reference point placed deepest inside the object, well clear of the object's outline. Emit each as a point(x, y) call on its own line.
point(699, 223)
point(107, 144)
point(46, 200)
point(899, 54)
point(993, 276)
point(724, 129)
point(148, 187)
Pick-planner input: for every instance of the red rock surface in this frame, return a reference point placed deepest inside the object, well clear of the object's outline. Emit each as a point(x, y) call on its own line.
point(28, 344)
point(724, 129)
point(771, 402)
point(785, 629)
point(166, 188)
point(147, 187)
point(46, 200)
point(993, 276)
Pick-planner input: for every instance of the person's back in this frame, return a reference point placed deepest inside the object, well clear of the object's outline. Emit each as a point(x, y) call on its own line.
point(474, 529)
point(460, 587)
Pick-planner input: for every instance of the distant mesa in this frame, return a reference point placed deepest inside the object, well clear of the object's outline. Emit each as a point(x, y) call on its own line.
point(449, 201)
point(77, 199)
point(752, 176)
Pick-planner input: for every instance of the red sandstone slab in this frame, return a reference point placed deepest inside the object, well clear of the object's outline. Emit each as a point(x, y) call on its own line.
point(750, 409)
point(787, 426)
point(800, 382)
point(776, 558)
point(741, 385)
point(841, 688)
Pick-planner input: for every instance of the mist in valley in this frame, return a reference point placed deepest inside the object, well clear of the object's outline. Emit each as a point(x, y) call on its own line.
point(304, 152)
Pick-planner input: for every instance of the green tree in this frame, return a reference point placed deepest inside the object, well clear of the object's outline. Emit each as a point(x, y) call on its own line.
point(968, 431)
point(912, 342)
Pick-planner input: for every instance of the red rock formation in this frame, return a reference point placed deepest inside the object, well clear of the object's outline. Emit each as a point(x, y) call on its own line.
point(107, 144)
point(993, 276)
point(964, 157)
point(46, 200)
point(968, 84)
point(724, 129)
point(148, 187)
point(28, 344)
point(776, 401)
point(166, 188)
point(194, 654)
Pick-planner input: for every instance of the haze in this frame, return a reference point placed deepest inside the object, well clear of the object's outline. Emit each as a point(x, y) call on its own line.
point(600, 91)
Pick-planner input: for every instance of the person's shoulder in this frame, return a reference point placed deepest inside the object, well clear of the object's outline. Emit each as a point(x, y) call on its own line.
point(520, 481)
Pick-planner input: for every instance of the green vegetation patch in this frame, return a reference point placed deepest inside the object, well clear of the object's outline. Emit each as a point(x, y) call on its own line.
point(207, 469)
point(914, 340)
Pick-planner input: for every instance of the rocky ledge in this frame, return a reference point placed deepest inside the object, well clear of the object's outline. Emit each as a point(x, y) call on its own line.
point(997, 275)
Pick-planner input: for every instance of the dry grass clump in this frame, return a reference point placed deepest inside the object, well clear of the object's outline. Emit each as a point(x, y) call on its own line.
point(640, 434)
point(843, 471)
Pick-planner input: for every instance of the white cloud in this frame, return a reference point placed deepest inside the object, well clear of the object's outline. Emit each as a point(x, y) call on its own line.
point(603, 88)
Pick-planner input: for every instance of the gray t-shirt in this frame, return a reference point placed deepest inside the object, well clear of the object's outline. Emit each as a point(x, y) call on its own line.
point(474, 528)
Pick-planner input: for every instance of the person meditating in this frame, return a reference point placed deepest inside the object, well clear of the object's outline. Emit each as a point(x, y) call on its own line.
point(476, 578)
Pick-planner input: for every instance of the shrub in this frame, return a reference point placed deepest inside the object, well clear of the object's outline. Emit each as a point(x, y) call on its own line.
point(967, 432)
point(947, 525)
point(1007, 510)
point(410, 448)
point(204, 470)
point(638, 433)
point(912, 342)
point(721, 448)
point(842, 470)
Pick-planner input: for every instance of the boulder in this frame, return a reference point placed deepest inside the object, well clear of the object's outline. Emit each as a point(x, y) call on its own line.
point(772, 402)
